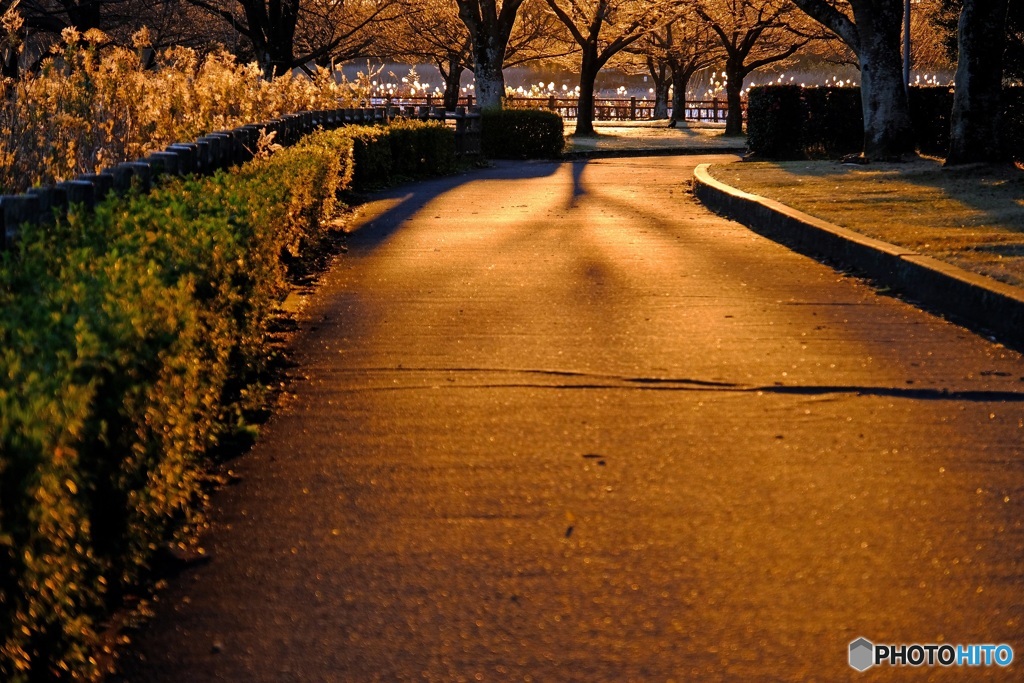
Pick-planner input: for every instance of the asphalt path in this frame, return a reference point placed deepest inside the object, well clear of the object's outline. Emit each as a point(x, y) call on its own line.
point(557, 422)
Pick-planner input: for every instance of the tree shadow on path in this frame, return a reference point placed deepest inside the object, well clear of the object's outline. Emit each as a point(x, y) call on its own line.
point(405, 201)
point(578, 191)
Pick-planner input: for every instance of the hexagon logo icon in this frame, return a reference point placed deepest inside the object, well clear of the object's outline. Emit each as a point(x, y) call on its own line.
point(862, 654)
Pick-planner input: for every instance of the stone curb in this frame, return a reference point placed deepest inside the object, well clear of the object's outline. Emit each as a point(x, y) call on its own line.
point(981, 303)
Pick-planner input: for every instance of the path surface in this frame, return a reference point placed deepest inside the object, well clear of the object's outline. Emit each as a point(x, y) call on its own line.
point(559, 423)
point(632, 136)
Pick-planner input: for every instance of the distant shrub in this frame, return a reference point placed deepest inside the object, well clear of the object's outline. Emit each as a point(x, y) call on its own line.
point(1013, 121)
point(833, 123)
point(775, 121)
point(791, 122)
point(930, 110)
point(404, 149)
point(521, 134)
point(420, 149)
point(786, 122)
point(371, 152)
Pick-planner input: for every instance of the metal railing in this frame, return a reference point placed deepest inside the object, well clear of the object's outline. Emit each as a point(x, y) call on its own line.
point(605, 109)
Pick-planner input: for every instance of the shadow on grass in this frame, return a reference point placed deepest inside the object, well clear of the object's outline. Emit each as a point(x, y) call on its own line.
point(972, 216)
point(995, 193)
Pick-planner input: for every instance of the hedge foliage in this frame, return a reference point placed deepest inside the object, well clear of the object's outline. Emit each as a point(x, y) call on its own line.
point(421, 150)
point(775, 121)
point(787, 122)
point(130, 339)
point(833, 124)
point(521, 134)
point(930, 110)
point(406, 149)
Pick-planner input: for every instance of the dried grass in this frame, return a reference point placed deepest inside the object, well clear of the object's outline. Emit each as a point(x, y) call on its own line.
point(89, 107)
point(972, 216)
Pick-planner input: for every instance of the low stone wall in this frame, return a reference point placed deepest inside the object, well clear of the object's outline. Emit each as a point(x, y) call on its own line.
point(205, 156)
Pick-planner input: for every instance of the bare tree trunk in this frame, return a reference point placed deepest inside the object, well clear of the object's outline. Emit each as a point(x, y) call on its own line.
point(273, 35)
point(452, 76)
point(662, 80)
point(875, 38)
point(678, 106)
point(279, 58)
point(887, 130)
point(975, 133)
point(661, 98)
point(490, 87)
point(585, 106)
point(733, 96)
point(83, 15)
point(489, 30)
point(10, 65)
point(680, 82)
point(490, 80)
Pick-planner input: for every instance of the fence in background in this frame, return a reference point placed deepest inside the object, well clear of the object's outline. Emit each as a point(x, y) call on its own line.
point(605, 109)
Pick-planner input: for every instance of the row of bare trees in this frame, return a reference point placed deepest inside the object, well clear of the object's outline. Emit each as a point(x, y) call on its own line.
point(754, 33)
point(872, 30)
point(670, 40)
point(673, 39)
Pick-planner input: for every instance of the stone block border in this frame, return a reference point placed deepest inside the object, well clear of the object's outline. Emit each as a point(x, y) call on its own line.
point(981, 303)
point(206, 155)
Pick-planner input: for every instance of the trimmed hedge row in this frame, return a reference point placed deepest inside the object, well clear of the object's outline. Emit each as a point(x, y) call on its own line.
point(930, 111)
point(406, 149)
point(790, 122)
point(521, 134)
point(130, 338)
point(775, 121)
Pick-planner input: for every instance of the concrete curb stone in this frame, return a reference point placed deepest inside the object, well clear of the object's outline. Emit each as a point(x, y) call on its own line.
point(980, 302)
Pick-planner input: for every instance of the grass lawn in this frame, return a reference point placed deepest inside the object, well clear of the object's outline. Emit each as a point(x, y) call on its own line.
point(972, 217)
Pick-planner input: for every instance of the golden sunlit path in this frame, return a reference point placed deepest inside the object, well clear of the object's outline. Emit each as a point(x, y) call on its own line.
point(448, 340)
point(555, 421)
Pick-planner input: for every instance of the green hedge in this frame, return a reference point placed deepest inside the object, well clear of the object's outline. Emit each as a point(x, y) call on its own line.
point(775, 121)
point(117, 351)
point(521, 134)
point(1013, 121)
point(406, 149)
point(833, 122)
point(786, 122)
point(791, 122)
point(371, 151)
point(421, 149)
point(130, 339)
point(930, 110)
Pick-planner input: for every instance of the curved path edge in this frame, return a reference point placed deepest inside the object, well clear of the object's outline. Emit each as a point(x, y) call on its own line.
point(981, 303)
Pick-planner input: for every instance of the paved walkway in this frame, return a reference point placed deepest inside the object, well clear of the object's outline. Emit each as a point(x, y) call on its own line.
point(556, 422)
point(628, 137)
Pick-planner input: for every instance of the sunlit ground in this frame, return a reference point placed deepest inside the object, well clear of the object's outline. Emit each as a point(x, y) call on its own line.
point(971, 217)
point(616, 135)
